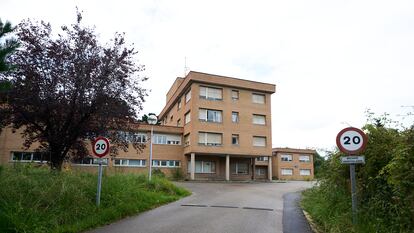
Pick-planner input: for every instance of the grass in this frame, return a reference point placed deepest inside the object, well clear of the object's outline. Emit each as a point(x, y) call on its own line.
point(38, 200)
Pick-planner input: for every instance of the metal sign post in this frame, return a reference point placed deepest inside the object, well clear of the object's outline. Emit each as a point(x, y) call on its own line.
point(352, 141)
point(100, 148)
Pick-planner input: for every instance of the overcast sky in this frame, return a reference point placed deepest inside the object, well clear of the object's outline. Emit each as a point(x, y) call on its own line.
point(330, 60)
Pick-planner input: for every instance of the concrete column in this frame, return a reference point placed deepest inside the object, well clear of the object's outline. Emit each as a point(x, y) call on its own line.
point(192, 168)
point(269, 168)
point(227, 167)
point(254, 169)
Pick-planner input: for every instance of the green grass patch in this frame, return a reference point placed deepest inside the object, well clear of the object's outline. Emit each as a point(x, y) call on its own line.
point(39, 200)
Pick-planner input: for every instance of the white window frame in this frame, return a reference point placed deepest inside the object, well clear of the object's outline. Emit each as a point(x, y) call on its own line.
point(207, 96)
point(258, 169)
point(203, 165)
point(262, 158)
point(187, 139)
point(235, 95)
point(237, 137)
point(126, 163)
point(259, 119)
point(235, 117)
point(301, 158)
point(167, 139)
point(160, 163)
point(203, 139)
point(237, 172)
point(286, 158)
point(284, 172)
point(259, 137)
point(13, 156)
point(301, 171)
point(93, 162)
point(257, 96)
point(188, 96)
point(187, 118)
point(217, 115)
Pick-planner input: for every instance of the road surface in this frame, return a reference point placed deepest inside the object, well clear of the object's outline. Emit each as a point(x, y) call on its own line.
point(216, 207)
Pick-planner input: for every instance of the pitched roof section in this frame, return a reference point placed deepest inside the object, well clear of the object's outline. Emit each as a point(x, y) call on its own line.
point(293, 150)
point(180, 86)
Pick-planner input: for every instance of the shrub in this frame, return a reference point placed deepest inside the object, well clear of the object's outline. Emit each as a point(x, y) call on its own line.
point(177, 174)
point(157, 172)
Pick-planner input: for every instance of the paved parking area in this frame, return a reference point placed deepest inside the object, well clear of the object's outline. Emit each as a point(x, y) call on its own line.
point(216, 207)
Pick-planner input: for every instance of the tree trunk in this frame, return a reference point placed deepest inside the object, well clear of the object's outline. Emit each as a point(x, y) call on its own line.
point(56, 159)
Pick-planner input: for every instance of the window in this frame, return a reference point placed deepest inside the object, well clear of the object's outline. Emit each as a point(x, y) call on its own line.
point(234, 95)
point(240, 168)
point(258, 98)
point(133, 137)
point(259, 141)
point(262, 158)
point(211, 93)
point(88, 161)
point(188, 96)
point(260, 171)
point(287, 171)
point(30, 156)
point(187, 140)
point(167, 139)
point(210, 115)
point(179, 104)
point(286, 158)
point(171, 118)
point(203, 167)
point(209, 139)
point(259, 119)
point(179, 122)
point(165, 163)
point(235, 117)
point(305, 172)
point(129, 162)
point(304, 158)
point(235, 139)
point(187, 118)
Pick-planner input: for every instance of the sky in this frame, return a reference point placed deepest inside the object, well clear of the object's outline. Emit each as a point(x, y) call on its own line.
point(330, 60)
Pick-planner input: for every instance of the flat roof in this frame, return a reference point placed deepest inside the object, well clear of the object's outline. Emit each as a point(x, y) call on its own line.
point(293, 150)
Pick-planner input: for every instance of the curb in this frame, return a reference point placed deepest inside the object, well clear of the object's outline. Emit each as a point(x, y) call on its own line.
point(312, 224)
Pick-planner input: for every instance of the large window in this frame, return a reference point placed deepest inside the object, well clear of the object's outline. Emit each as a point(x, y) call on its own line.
point(260, 171)
point(304, 158)
point(129, 162)
point(168, 139)
point(262, 158)
point(287, 171)
point(203, 167)
point(259, 119)
point(305, 172)
point(286, 158)
point(188, 96)
point(133, 137)
point(210, 115)
point(240, 168)
point(211, 93)
point(165, 163)
point(259, 141)
point(187, 118)
point(30, 156)
point(235, 117)
point(89, 161)
point(258, 98)
point(210, 139)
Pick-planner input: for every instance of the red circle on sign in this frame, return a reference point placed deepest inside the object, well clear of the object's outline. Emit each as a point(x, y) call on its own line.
point(349, 151)
point(98, 149)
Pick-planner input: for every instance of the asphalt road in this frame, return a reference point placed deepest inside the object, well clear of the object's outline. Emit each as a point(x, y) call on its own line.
point(216, 207)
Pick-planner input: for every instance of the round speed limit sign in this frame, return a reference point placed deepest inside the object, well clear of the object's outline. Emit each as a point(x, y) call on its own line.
point(351, 140)
point(100, 146)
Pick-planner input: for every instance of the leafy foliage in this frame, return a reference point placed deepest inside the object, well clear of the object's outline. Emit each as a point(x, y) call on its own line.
point(68, 88)
point(6, 48)
point(385, 184)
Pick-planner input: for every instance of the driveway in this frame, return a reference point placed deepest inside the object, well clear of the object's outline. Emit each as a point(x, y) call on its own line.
point(216, 207)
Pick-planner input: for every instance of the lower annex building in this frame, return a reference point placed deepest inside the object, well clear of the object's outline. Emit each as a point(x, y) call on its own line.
point(212, 127)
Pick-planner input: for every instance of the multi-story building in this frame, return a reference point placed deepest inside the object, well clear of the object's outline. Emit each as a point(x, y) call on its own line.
point(226, 125)
point(293, 164)
point(212, 127)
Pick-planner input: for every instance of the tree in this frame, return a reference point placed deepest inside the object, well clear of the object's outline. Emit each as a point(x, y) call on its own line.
point(68, 88)
point(6, 48)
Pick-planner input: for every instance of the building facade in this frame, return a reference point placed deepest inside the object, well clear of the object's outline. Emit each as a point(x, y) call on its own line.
point(212, 127)
point(293, 164)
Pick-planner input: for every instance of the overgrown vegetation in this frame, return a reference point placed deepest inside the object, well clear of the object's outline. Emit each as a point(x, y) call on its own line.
point(385, 184)
point(40, 200)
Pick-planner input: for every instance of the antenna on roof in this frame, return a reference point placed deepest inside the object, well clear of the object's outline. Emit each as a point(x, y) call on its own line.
point(185, 67)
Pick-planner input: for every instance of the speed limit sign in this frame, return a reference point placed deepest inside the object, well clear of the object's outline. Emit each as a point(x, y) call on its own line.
point(351, 140)
point(100, 146)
